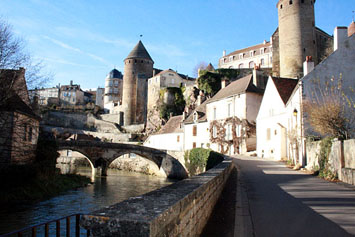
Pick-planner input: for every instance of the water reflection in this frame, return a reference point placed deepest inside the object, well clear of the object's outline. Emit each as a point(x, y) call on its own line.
point(116, 187)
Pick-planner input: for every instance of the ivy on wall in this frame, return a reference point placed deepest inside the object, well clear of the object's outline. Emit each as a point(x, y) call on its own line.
point(246, 129)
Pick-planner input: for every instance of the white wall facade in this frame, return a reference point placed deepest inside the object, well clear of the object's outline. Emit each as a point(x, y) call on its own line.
point(167, 141)
point(258, 55)
point(271, 123)
point(202, 138)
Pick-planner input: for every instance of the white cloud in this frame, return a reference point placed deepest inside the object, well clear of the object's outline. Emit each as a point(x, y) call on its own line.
point(66, 46)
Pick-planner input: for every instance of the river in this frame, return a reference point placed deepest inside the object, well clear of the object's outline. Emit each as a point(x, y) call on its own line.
point(105, 191)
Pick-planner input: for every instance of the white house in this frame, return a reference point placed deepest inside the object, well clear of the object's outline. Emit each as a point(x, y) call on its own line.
point(273, 122)
point(196, 129)
point(260, 54)
point(170, 137)
point(231, 114)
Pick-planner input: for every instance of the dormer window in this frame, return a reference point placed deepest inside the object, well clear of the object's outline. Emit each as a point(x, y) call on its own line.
point(195, 116)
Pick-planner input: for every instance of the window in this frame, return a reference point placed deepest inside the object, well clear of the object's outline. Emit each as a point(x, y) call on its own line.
point(229, 110)
point(25, 132)
point(240, 56)
point(30, 134)
point(241, 65)
point(238, 130)
point(268, 134)
point(195, 116)
point(229, 132)
point(290, 2)
point(194, 130)
point(214, 132)
point(262, 61)
point(230, 58)
point(214, 113)
point(251, 64)
point(271, 59)
point(178, 138)
point(251, 53)
point(275, 132)
point(262, 51)
point(194, 145)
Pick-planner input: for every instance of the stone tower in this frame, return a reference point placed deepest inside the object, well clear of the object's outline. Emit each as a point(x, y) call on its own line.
point(138, 67)
point(296, 35)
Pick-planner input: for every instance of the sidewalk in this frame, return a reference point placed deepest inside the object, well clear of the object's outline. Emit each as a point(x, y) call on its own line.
point(284, 202)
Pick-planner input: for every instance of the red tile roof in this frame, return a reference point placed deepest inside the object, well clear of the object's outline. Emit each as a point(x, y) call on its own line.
point(285, 87)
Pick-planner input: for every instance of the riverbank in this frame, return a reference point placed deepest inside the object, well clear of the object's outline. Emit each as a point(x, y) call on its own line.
point(30, 188)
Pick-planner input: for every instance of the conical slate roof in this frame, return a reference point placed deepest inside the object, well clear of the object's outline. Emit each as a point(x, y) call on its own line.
point(139, 51)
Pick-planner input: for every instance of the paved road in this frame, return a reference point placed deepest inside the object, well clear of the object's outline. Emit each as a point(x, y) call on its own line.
point(283, 202)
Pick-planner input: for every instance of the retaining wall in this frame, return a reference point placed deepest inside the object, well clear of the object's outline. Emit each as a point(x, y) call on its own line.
point(181, 209)
point(341, 159)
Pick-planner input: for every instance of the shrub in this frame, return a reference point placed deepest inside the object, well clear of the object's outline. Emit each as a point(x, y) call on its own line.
point(199, 159)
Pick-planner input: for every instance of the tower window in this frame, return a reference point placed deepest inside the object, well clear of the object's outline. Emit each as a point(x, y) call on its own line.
point(281, 6)
point(290, 2)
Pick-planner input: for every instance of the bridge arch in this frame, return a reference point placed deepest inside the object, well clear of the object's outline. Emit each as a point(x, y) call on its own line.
point(87, 158)
point(108, 152)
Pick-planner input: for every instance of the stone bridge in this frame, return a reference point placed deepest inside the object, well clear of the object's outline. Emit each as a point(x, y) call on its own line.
point(101, 154)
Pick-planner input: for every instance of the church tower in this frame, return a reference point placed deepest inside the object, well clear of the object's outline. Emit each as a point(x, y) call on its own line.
point(296, 35)
point(138, 67)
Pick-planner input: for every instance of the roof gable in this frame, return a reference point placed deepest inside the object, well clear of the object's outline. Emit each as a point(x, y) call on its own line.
point(172, 126)
point(285, 87)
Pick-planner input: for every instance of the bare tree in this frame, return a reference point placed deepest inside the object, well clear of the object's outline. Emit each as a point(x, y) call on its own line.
point(200, 66)
point(18, 123)
point(330, 109)
point(13, 56)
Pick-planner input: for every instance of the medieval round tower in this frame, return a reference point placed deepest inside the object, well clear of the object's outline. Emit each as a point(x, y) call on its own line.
point(296, 35)
point(138, 67)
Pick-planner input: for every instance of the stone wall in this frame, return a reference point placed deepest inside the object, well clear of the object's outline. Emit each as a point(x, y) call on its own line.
point(181, 209)
point(345, 169)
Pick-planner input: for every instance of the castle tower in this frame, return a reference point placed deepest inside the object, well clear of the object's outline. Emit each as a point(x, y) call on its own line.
point(138, 67)
point(296, 35)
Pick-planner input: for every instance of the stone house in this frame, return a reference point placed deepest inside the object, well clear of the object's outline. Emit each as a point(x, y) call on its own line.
point(169, 137)
point(46, 96)
point(231, 115)
point(165, 79)
point(71, 94)
point(19, 125)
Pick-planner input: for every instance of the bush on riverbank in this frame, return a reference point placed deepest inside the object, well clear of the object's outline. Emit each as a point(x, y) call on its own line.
point(197, 160)
point(28, 188)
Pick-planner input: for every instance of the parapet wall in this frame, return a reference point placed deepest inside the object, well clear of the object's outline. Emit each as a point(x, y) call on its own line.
point(181, 209)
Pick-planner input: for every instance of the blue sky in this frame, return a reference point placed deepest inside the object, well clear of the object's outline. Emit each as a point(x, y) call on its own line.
point(82, 40)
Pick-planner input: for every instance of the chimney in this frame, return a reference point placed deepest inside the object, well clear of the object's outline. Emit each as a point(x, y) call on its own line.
point(308, 65)
point(258, 77)
point(340, 35)
point(224, 82)
point(224, 53)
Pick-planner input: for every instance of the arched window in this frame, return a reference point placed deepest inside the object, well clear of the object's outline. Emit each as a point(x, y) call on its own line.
point(251, 64)
point(241, 65)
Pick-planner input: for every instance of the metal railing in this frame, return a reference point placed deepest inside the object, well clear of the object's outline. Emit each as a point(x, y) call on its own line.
point(34, 230)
